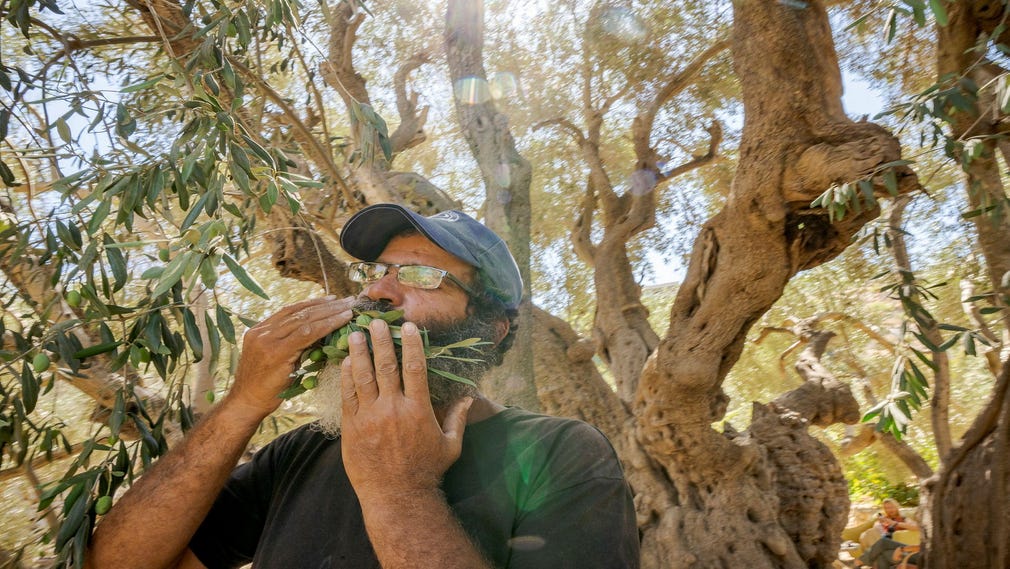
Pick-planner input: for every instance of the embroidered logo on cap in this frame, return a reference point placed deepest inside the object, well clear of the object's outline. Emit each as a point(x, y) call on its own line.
point(446, 215)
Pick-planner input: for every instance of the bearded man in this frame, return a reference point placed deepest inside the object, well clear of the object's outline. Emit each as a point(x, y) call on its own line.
point(415, 470)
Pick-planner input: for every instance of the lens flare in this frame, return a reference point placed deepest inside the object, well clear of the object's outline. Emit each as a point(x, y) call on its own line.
point(623, 24)
point(503, 176)
point(502, 84)
point(642, 182)
point(472, 91)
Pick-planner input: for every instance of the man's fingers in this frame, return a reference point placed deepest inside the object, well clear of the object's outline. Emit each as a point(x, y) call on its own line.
point(348, 394)
point(303, 322)
point(308, 321)
point(361, 368)
point(387, 370)
point(415, 366)
point(309, 331)
point(301, 305)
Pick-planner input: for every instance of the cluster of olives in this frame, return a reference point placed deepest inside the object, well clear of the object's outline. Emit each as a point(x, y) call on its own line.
point(334, 348)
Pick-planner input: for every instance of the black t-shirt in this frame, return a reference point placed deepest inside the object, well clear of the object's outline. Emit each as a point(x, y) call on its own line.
point(532, 491)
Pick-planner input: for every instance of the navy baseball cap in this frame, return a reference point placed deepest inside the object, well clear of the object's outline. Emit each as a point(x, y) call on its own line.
point(368, 232)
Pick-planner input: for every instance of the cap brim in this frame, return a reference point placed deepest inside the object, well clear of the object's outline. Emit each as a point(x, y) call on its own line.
point(366, 235)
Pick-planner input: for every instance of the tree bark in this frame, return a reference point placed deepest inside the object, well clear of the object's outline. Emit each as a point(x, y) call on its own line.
point(808, 479)
point(569, 385)
point(969, 519)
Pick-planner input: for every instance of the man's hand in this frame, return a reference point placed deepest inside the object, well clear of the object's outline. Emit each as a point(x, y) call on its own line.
point(272, 349)
point(392, 442)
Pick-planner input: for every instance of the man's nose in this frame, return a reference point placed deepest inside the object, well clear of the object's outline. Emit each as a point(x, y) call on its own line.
point(387, 289)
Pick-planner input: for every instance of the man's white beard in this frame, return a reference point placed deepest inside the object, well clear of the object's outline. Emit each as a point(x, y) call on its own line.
point(328, 401)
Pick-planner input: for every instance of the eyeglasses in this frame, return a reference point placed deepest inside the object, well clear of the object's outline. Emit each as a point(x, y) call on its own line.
point(416, 276)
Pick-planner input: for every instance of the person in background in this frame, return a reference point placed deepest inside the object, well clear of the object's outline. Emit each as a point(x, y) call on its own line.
point(888, 521)
point(417, 471)
point(887, 553)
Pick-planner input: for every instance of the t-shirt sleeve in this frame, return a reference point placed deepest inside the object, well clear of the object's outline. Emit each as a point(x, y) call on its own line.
point(581, 513)
point(231, 531)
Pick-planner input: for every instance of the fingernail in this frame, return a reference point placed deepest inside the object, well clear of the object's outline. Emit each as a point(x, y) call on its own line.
point(408, 328)
point(356, 338)
point(378, 325)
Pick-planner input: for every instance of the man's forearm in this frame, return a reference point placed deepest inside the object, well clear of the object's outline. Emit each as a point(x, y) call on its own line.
point(151, 525)
point(419, 530)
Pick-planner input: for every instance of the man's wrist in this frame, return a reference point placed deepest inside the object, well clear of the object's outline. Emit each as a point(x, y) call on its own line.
point(394, 498)
point(235, 409)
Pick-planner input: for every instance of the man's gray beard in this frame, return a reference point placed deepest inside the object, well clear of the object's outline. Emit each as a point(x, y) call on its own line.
point(327, 397)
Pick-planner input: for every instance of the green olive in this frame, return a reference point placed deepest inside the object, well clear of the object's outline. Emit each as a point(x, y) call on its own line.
point(40, 362)
point(316, 354)
point(73, 298)
point(103, 504)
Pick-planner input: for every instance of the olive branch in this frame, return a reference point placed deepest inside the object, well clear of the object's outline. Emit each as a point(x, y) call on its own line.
point(335, 347)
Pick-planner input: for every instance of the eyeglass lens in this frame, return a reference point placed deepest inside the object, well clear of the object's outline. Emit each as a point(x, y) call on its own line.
point(418, 276)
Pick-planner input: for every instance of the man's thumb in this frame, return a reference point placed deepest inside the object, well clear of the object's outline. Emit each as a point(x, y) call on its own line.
point(455, 420)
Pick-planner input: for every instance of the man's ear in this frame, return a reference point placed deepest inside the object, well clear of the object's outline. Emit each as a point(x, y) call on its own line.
point(501, 329)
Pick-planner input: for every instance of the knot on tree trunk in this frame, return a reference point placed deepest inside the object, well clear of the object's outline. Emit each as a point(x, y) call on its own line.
point(812, 492)
point(419, 194)
point(581, 351)
point(296, 253)
point(848, 152)
point(848, 155)
point(820, 401)
point(299, 253)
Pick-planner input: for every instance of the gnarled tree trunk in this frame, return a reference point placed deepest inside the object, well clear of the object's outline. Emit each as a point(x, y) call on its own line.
point(970, 520)
point(796, 143)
